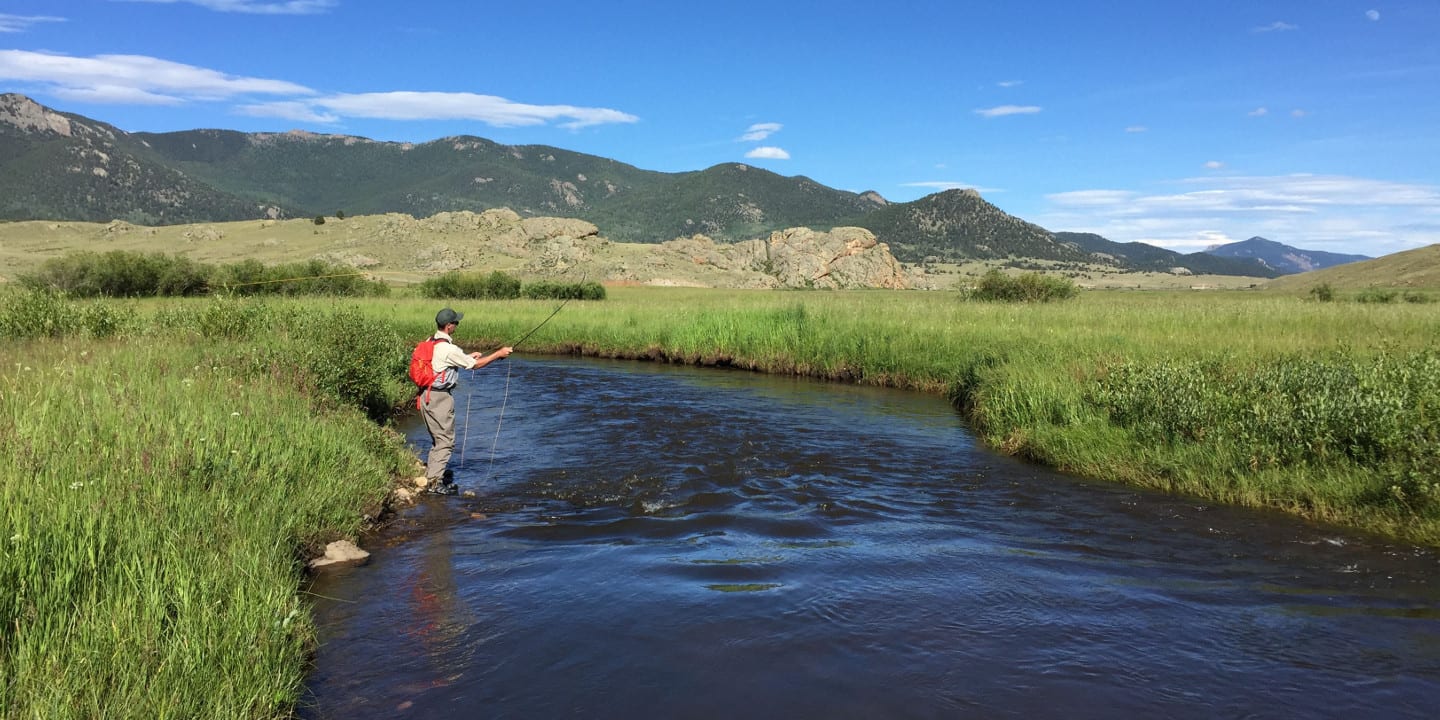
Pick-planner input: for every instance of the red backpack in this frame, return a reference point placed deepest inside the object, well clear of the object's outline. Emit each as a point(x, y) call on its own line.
point(422, 371)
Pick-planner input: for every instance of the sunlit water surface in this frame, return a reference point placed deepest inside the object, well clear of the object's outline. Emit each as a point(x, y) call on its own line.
point(667, 542)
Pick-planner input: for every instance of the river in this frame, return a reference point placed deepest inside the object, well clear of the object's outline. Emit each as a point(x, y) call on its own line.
point(650, 541)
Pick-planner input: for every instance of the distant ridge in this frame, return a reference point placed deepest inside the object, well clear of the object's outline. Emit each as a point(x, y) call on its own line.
point(1283, 258)
point(1141, 256)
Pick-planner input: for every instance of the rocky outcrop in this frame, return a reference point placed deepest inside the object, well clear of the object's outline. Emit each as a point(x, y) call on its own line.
point(28, 115)
point(846, 257)
point(464, 240)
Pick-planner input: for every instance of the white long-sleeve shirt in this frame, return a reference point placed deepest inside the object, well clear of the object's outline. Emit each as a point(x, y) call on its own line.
point(447, 357)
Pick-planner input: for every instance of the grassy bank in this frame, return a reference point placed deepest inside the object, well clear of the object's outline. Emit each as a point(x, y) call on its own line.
point(164, 474)
point(1326, 410)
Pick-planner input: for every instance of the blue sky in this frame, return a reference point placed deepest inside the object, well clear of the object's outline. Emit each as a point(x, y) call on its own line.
point(1310, 122)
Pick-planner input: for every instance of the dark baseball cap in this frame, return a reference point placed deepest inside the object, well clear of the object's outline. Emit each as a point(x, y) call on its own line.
point(447, 316)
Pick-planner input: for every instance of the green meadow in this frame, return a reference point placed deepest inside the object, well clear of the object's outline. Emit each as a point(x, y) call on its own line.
point(170, 464)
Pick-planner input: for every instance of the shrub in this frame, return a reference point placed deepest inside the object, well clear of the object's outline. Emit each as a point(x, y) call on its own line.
point(34, 314)
point(455, 285)
point(312, 277)
point(1323, 292)
point(319, 219)
point(547, 290)
point(1295, 411)
point(1376, 295)
point(121, 273)
point(996, 286)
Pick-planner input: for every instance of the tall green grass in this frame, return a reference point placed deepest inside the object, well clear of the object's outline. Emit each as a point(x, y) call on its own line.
point(162, 482)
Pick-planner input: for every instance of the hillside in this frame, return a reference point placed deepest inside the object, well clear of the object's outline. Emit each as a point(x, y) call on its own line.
point(1411, 269)
point(1283, 258)
point(959, 224)
point(1148, 258)
point(58, 165)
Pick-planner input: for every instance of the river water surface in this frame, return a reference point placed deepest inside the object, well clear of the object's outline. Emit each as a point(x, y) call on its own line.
point(663, 542)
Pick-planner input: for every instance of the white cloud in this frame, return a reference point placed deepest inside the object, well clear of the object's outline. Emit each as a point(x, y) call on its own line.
point(116, 95)
point(760, 131)
point(1320, 212)
point(1374, 15)
point(137, 79)
point(407, 105)
point(288, 110)
point(1214, 165)
point(1004, 110)
point(113, 78)
point(1259, 112)
point(257, 7)
point(21, 23)
point(1137, 129)
point(950, 185)
point(1297, 112)
point(1010, 83)
point(768, 153)
point(1277, 26)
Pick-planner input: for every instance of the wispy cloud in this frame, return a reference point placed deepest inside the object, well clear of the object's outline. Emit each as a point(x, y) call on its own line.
point(1137, 129)
point(1259, 112)
point(1346, 214)
point(760, 131)
point(1214, 165)
point(141, 80)
point(1277, 26)
point(256, 7)
point(1297, 112)
point(288, 110)
point(1374, 15)
point(21, 23)
point(1010, 83)
point(133, 78)
point(768, 153)
point(408, 105)
point(1003, 110)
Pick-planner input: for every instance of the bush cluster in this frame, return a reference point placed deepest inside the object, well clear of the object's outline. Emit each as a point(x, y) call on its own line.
point(996, 286)
point(468, 286)
point(310, 277)
point(39, 314)
point(546, 290)
point(499, 286)
point(121, 273)
point(1380, 413)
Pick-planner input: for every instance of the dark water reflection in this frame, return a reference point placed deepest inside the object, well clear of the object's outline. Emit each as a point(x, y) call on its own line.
point(674, 543)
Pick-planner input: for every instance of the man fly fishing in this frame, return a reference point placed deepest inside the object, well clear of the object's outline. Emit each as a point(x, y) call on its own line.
point(436, 381)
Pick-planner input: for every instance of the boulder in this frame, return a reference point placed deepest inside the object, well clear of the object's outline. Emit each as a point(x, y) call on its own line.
point(340, 553)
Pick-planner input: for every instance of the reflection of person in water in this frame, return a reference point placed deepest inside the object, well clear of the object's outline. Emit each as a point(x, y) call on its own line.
point(438, 618)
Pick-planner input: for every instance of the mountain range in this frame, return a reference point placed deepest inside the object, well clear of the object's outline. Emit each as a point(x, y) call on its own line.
point(62, 166)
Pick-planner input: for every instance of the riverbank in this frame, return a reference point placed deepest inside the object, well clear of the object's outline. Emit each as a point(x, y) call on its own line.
point(166, 474)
